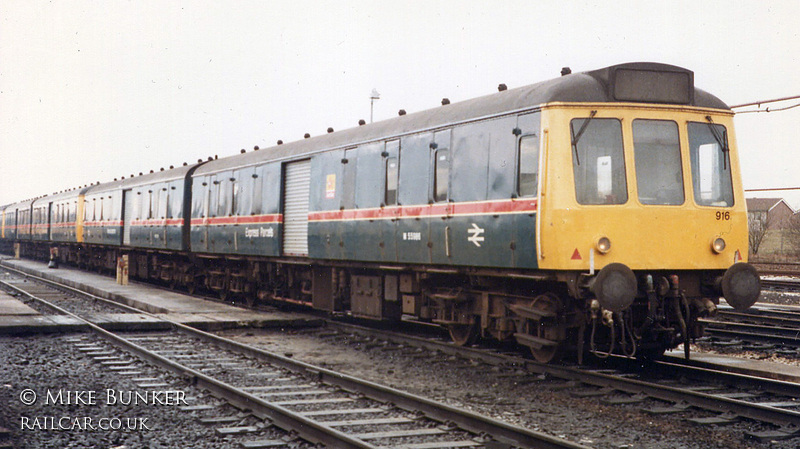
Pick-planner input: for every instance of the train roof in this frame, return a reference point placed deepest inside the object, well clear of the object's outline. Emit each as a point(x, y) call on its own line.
point(74, 193)
point(633, 82)
point(171, 174)
point(21, 204)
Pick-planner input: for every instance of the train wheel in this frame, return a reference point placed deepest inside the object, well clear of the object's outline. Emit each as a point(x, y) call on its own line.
point(541, 328)
point(547, 354)
point(463, 334)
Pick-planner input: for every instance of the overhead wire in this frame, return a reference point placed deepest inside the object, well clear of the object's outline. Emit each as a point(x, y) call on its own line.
point(759, 103)
point(770, 110)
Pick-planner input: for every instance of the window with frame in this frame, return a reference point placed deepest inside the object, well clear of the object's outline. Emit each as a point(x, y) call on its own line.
point(163, 203)
point(710, 161)
point(528, 166)
point(234, 196)
point(657, 159)
point(598, 162)
point(392, 172)
point(441, 178)
point(258, 186)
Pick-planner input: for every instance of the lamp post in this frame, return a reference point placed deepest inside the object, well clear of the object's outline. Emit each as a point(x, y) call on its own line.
point(372, 97)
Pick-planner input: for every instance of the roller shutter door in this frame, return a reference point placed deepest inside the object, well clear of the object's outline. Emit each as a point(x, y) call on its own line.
point(295, 208)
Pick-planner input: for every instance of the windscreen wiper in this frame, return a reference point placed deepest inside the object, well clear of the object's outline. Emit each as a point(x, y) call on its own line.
point(722, 140)
point(577, 137)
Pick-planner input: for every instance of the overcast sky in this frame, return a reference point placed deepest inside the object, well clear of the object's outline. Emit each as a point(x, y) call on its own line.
point(94, 90)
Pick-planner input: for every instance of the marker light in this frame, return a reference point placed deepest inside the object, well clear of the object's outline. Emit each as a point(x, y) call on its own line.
point(718, 245)
point(603, 245)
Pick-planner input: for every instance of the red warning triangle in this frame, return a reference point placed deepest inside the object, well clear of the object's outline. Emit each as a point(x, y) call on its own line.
point(576, 255)
point(737, 257)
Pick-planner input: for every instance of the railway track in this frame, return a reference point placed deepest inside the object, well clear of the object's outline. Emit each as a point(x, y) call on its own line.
point(319, 405)
point(789, 285)
point(778, 326)
point(663, 387)
point(724, 397)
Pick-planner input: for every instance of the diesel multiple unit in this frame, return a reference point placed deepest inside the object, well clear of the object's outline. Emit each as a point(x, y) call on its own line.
point(597, 212)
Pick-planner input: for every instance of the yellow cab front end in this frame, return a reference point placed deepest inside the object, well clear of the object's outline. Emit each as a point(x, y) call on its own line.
point(644, 197)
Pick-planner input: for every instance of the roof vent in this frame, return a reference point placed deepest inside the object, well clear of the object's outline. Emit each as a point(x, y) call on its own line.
point(445, 101)
point(280, 142)
point(306, 135)
point(256, 148)
point(401, 112)
point(242, 151)
point(362, 122)
point(501, 87)
point(330, 130)
point(566, 71)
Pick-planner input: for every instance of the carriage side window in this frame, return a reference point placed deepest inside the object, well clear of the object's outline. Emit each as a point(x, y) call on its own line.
point(176, 209)
point(391, 181)
point(258, 186)
point(597, 161)
point(441, 179)
point(528, 176)
point(657, 157)
point(163, 202)
point(149, 204)
point(711, 167)
point(153, 203)
point(224, 197)
point(234, 196)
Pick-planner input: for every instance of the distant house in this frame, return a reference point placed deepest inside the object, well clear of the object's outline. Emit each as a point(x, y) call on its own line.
point(769, 221)
point(775, 212)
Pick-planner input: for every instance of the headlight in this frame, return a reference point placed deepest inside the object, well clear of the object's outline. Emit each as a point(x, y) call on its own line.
point(603, 245)
point(718, 245)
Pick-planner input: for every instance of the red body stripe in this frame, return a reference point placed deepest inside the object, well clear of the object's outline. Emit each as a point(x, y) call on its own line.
point(157, 222)
point(100, 224)
point(244, 219)
point(511, 206)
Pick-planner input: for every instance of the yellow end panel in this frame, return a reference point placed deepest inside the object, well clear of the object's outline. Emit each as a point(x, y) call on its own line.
point(79, 220)
point(641, 236)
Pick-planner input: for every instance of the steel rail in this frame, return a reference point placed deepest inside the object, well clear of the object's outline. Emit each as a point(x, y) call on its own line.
point(781, 283)
point(754, 337)
point(671, 394)
point(783, 318)
point(310, 429)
